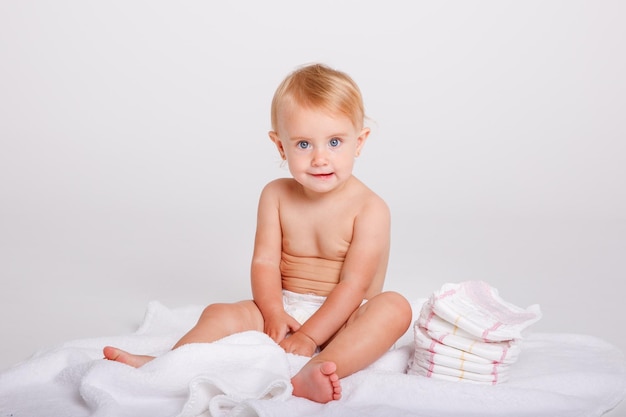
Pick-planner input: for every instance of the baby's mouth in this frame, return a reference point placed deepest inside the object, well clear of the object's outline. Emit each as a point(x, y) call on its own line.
point(323, 176)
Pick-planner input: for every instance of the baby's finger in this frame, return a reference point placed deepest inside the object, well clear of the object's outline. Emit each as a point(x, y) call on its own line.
point(273, 334)
point(294, 325)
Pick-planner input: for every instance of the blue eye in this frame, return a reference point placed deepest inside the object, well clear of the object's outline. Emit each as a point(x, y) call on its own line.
point(334, 142)
point(303, 144)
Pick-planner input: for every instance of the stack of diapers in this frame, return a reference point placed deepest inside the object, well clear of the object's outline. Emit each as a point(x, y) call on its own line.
point(466, 332)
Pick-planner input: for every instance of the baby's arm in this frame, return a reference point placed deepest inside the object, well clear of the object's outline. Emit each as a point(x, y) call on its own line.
point(365, 260)
point(265, 269)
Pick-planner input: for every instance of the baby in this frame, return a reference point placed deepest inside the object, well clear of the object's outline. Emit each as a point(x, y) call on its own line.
point(321, 246)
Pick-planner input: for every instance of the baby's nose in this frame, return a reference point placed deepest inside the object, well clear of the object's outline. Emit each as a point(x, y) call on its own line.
point(320, 157)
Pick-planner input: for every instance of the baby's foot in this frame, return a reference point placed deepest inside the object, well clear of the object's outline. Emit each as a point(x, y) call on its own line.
point(119, 355)
point(317, 382)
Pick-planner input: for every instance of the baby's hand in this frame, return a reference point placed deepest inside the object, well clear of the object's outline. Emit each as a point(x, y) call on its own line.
point(279, 325)
point(300, 344)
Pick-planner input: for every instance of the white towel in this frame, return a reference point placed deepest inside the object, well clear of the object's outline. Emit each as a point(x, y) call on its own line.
point(476, 307)
point(191, 380)
point(557, 375)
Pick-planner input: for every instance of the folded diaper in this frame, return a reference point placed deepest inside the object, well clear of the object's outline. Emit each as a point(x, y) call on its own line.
point(423, 341)
point(466, 332)
point(426, 369)
point(461, 364)
point(476, 307)
point(506, 351)
point(429, 320)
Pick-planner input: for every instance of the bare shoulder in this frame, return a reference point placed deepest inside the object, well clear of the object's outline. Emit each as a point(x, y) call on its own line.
point(371, 203)
point(278, 187)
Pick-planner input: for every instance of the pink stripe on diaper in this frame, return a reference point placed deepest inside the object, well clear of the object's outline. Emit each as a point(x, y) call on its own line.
point(494, 373)
point(431, 314)
point(505, 350)
point(492, 328)
point(431, 368)
point(446, 294)
point(432, 346)
point(431, 360)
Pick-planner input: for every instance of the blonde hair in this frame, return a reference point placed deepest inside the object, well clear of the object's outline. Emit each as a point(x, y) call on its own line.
point(320, 87)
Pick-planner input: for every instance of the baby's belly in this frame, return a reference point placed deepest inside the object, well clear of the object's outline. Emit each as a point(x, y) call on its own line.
point(308, 275)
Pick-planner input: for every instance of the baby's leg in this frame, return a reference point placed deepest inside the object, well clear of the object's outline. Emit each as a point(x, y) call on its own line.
point(216, 322)
point(220, 320)
point(367, 335)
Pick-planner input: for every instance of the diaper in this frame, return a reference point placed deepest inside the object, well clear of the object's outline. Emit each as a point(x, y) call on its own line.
point(466, 332)
point(301, 306)
point(432, 370)
point(476, 307)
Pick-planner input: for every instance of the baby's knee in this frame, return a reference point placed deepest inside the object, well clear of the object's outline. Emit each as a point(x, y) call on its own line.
point(236, 316)
point(216, 308)
point(222, 311)
point(398, 307)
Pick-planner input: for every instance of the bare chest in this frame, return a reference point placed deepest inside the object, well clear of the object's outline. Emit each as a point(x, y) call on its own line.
point(317, 232)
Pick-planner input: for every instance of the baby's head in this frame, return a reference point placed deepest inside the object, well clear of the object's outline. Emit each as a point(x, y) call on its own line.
point(317, 86)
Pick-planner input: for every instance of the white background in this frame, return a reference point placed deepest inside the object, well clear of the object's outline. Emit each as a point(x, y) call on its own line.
point(133, 147)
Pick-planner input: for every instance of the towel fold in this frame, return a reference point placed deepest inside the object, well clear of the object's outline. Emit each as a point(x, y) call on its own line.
point(198, 378)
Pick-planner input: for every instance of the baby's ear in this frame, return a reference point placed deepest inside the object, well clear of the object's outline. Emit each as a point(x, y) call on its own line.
point(279, 145)
point(362, 139)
